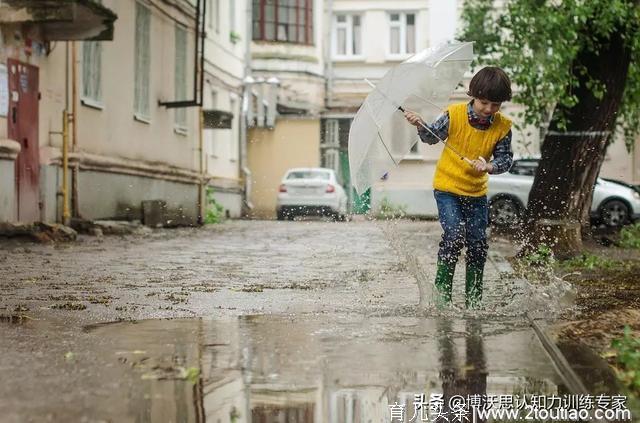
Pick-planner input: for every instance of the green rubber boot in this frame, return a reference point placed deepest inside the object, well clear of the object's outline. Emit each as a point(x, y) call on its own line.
point(444, 283)
point(473, 286)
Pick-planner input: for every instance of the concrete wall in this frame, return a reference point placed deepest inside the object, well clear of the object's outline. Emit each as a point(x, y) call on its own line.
point(231, 202)
point(293, 143)
point(114, 196)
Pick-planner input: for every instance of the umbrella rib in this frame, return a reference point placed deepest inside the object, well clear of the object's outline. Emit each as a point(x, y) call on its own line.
point(401, 109)
point(449, 54)
point(427, 101)
point(386, 148)
point(446, 144)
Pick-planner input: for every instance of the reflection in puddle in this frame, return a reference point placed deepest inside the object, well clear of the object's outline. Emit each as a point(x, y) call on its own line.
point(265, 369)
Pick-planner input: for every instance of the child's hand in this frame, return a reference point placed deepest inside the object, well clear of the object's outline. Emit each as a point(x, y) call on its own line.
point(481, 165)
point(414, 118)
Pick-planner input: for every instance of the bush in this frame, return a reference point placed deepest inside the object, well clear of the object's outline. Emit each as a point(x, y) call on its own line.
point(214, 212)
point(630, 236)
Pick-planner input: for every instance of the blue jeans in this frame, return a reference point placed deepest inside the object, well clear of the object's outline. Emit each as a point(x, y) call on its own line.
point(464, 221)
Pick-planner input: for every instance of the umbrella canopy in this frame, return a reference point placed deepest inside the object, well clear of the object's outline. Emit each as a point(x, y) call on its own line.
point(380, 136)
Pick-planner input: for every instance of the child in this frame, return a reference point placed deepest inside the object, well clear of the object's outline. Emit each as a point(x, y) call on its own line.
point(478, 131)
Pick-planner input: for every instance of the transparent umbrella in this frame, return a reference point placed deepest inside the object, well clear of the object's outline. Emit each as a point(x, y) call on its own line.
point(380, 136)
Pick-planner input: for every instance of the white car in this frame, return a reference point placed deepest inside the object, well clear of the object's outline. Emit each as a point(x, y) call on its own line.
point(614, 204)
point(311, 191)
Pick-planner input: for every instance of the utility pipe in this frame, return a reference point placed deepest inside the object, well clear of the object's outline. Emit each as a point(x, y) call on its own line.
point(74, 134)
point(65, 166)
point(201, 184)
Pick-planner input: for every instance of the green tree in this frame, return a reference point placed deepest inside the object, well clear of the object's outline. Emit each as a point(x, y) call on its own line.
point(577, 66)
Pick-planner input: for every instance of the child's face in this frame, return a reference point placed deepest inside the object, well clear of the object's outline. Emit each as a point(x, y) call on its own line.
point(485, 108)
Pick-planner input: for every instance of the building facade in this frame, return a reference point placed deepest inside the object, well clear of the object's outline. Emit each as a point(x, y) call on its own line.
point(225, 65)
point(132, 96)
point(288, 93)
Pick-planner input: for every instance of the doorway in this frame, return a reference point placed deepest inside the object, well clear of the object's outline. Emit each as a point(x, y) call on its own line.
point(23, 128)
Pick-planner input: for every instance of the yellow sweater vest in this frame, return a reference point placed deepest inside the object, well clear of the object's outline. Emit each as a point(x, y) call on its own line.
point(455, 175)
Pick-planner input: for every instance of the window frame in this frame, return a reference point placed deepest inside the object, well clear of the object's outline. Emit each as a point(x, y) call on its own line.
point(402, 25)
point(180, 79)
point(142, 65)
point(303, 8)
point(348, 26)
point(92, 74)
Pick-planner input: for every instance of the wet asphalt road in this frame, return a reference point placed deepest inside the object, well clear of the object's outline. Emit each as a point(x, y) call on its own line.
point(312, 320)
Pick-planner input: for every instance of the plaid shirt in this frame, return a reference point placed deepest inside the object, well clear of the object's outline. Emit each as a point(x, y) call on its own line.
point(502, 154)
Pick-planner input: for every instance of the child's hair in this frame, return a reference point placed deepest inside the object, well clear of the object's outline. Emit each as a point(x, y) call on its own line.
point(490, 83)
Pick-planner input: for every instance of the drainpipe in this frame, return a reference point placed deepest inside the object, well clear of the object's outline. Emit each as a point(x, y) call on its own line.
point(75, 209)
point(201, 185)
point(328, 64)
point(65, 167)
point(64, 189)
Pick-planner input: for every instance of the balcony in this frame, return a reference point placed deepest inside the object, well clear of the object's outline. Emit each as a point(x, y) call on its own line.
point(60, 20)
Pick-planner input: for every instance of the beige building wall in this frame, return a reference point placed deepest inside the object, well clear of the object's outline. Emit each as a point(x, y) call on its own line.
point(120, 158)
point(293, 143)
point(112, 129)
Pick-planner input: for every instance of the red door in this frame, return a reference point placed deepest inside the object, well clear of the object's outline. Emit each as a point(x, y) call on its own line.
point(23, 127)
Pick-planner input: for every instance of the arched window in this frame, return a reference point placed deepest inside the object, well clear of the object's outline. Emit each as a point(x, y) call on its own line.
point(289, 21)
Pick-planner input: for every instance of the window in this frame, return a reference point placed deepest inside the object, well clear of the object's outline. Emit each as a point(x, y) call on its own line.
point(402, 33)
point(347, 35)
point(213, 7)
point(142, 62)
point(232, 15)
point(180, 81)
point(91, 72)
point(524, 167)
point(309, 174)
point(283, 20)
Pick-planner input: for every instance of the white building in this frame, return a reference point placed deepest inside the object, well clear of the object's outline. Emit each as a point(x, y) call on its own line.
point(225, 67)
point(367, 39)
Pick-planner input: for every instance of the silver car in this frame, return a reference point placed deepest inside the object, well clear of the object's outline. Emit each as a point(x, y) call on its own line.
point(614, 204)
point(311, 191)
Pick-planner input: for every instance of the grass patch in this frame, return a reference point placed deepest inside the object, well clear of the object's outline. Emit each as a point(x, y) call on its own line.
point(589, 261)
point(627, 360)
point(214, 211)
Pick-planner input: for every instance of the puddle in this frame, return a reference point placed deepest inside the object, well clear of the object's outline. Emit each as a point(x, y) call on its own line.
point(316, 368)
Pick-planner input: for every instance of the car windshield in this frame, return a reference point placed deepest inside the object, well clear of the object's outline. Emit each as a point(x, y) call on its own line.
point(524, 167)
point(309, 174)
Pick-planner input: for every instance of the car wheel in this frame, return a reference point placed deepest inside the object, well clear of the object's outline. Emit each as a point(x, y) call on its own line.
point(504, 212)
point(614, 213)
